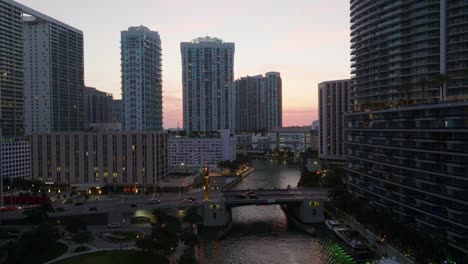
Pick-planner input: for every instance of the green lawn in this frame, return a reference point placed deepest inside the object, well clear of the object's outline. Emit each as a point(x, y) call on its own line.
point(59, 250)
point(116, 257)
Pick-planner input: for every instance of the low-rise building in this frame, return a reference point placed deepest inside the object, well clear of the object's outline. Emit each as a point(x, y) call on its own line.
point(194, 153)
point(16, 159)
point(252, 141)
point(294, 138)
point(132, 160)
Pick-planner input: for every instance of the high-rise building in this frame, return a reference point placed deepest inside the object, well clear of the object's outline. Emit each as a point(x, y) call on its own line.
point(53, 74)
point(250, 104)
point(333, 104)
point(11, 69)
point(141, 79)
point(97, 106)
point(406, 145)
point(117, 111)
point(258, 102)
point(273, 101)
point(208, 85)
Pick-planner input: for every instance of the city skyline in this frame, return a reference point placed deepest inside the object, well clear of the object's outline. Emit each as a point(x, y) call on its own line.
point(302, 64)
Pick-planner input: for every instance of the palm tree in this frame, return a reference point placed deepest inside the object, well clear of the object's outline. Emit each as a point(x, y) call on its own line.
point(406, 88)
point(441, 80)
point(189, 238)
point(422, 84)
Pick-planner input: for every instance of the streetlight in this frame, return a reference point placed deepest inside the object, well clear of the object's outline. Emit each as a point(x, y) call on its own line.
point(207, 179)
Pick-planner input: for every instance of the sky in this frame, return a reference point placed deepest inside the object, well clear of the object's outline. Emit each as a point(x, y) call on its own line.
point(307, 41)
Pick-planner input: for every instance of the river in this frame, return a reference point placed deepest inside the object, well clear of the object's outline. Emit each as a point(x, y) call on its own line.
point(260, 234)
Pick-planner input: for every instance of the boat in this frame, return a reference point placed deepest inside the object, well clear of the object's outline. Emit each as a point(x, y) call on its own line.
point(331, 224)
point(354, 243)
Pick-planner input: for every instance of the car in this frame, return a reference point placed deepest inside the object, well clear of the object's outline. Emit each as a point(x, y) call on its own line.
point(6, 234)
point(61, 209)
point(113, 225)
point(253, 197)
point(187, 200)
point(3, 209)
point(155, 200)
point(134, 205)
point(79, 204)
point(94, 209)
point(250, 193)
point(12, 208)
point(241, 196)
point(191, 198)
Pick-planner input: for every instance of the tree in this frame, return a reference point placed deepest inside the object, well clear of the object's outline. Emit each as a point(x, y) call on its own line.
point(422, 84)
point(189, 238)
point(82, 237)
point(406, 88)
point(75, 224)
point(147, 244)
point(192, 216)
point(441, 80)
point(187, 259)
point(34, 246)
point(39, 214)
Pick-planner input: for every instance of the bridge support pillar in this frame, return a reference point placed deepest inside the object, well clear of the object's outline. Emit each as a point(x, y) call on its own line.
point(216, 214)
point(310, 211)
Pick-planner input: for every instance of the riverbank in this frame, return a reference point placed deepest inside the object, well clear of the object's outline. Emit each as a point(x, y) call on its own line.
point(239, 178)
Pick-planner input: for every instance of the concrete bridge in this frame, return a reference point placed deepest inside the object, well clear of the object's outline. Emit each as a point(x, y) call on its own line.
point(305, 203)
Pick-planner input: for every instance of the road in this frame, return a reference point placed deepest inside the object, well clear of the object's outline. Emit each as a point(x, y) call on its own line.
point(171, 200)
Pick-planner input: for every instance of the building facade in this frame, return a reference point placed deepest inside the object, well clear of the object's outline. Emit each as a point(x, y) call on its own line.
point(258, 102)
point(250, 104)
point(117, 111)
point(97, 106)
point(16, 159)
point(274, 103)
point(53, 75)
point(295, 138)
point(414, 162)
point(11, 70)
point(333, 104)
point(195, 153)
point(141, 79)
point(135, 160)
point(208, 85)
point(406, 134)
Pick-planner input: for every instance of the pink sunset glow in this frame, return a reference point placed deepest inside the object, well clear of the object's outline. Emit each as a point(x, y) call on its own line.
point(307, 42)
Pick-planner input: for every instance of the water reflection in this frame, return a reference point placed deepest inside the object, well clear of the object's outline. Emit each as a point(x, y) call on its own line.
point(261, 234)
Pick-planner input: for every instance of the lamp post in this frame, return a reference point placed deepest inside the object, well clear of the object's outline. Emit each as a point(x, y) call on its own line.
point(206, 173)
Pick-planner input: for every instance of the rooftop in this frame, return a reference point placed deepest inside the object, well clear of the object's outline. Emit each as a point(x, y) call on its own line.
point(207, 39)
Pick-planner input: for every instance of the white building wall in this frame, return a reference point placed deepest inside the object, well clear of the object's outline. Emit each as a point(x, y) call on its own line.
point(37, 78)
point(195, 153)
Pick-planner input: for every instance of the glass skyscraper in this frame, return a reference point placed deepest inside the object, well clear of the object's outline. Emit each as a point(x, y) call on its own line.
point(11, 70)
